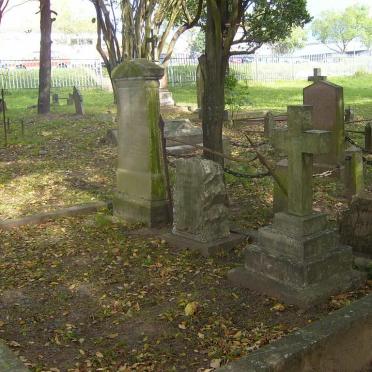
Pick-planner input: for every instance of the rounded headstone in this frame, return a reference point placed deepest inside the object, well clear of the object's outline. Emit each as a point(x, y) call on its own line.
point(138, 68)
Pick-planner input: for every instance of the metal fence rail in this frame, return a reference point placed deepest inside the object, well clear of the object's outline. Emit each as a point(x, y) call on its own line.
point(24, 74)
point(182, 69)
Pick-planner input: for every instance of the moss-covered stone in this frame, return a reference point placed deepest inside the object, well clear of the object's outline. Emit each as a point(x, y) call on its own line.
point(138, 68)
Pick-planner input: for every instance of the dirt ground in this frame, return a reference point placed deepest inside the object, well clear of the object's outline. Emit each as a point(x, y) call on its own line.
point(90, 294)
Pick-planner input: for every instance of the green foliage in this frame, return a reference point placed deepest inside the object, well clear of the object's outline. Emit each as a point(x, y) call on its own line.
point(341, 28)
point(295, 40)
point(198, 42)
point(235, 99)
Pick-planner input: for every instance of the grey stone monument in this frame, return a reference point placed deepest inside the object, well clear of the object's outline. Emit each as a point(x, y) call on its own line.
point(298, 258)
point(354, 172)
point(356, 225)
point(78, 101)
point(165, 95)
point(200, 211)
point(327, 100)
point(141, 187)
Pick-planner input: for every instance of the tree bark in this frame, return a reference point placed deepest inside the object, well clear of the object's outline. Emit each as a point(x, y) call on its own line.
point(45, 70)
point(216, 62)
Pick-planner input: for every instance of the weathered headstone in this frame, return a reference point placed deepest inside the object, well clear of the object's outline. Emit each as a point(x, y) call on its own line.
point(70, 99)
point(327, 100)
point(78, 101)
point(356, 225)
point(368, 137)
point(354, 172)
point(2, 105)
point(298, 258)
point(141, 186)
point(200, 82)
point(55, 99)
point(200, 212)
point(165, 94)
point(269, 124)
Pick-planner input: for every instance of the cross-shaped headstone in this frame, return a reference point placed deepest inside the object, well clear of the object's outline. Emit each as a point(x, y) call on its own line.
point(301, 142)
point(317, 76)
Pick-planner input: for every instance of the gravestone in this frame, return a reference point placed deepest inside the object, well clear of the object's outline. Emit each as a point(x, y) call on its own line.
point(165, 95)
point(317, 76)
point(354, 172)
point(141, 185)
point(55, 99)
point(70, 99)
point(298, 258)
point(78, 101)
point(2, 105)
point(269, 124)
point(327, 100)
point(200, 73)
point(356, 225)
point(200, 211)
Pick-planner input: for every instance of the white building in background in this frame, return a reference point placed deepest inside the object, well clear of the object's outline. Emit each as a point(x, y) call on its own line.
point(26, 46)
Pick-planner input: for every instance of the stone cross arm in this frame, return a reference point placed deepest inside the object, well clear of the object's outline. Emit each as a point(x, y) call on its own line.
point(311, 141)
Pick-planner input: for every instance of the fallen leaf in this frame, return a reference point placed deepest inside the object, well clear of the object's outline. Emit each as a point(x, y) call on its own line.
point(99, 355)
point(278, 307)
point(191, 308)
point(113, 335)
point(215, 363)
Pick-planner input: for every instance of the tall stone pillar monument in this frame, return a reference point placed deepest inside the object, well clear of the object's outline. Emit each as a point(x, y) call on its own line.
point(141, 186)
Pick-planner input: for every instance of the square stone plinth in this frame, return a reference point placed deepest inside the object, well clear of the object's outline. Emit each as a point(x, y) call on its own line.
point(206, 249)
point(299, 260)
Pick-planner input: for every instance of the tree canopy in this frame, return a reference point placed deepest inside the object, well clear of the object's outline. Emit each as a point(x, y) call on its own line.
point(295, 40)
point(338, 29)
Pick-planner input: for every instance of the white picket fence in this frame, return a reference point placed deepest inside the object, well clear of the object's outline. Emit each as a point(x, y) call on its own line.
point(24, 74)
point(182, 69)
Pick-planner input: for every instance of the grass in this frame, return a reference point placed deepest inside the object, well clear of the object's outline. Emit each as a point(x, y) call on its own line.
point(277, 96)
point(88, 293)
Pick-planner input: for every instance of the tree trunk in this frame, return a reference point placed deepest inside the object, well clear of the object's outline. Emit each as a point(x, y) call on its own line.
point(45, 70)
point(216, 62)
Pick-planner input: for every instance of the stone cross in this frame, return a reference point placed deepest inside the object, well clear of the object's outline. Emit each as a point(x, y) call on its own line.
point(301, 142)
point(317, 76)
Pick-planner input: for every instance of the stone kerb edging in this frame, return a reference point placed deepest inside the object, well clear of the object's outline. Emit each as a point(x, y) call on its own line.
point(46, 216)
point(341, 341)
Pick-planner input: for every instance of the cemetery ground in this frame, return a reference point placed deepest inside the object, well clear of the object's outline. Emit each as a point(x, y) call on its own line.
point(88, 293)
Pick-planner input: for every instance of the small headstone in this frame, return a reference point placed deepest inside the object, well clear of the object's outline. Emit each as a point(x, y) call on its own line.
point(298, 258)
point(165, 95)
point(327, 100)
point(269, 124)
point(70, 99)
point(354, 172)
point(349, 114)
point(200, 82)
point(55, 99)
point(200, 211)
point(356, 225)
point(78, 100)
point(2, 105)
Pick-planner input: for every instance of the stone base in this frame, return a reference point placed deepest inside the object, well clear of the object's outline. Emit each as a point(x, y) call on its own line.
point(150, 212)
point(303, 297)
point(165, 97)
point(299, 260)
point(206, 249)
